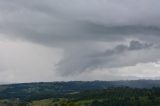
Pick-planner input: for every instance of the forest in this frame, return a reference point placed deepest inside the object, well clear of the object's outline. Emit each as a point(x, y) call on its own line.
point(94, 93)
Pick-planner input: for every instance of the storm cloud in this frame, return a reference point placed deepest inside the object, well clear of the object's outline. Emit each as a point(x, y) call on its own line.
point(92, 34)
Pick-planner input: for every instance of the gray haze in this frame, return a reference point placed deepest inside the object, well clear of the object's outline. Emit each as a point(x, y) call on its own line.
point(48, 40)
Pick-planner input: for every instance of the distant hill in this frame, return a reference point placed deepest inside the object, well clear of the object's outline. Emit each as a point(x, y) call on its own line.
point(27, 91)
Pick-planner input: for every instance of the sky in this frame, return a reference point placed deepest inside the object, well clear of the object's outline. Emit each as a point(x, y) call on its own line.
point(68, 40)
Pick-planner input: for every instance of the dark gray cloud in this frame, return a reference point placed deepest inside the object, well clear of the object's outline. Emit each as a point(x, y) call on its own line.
point(60, 22)
point(79, 27)
point(80, 61)
point(133, 46)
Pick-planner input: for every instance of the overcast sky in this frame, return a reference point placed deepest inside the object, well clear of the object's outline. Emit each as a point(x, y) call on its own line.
point(55, 40)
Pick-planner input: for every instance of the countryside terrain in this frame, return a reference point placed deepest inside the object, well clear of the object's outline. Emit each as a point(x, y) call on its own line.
point(79, 93)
